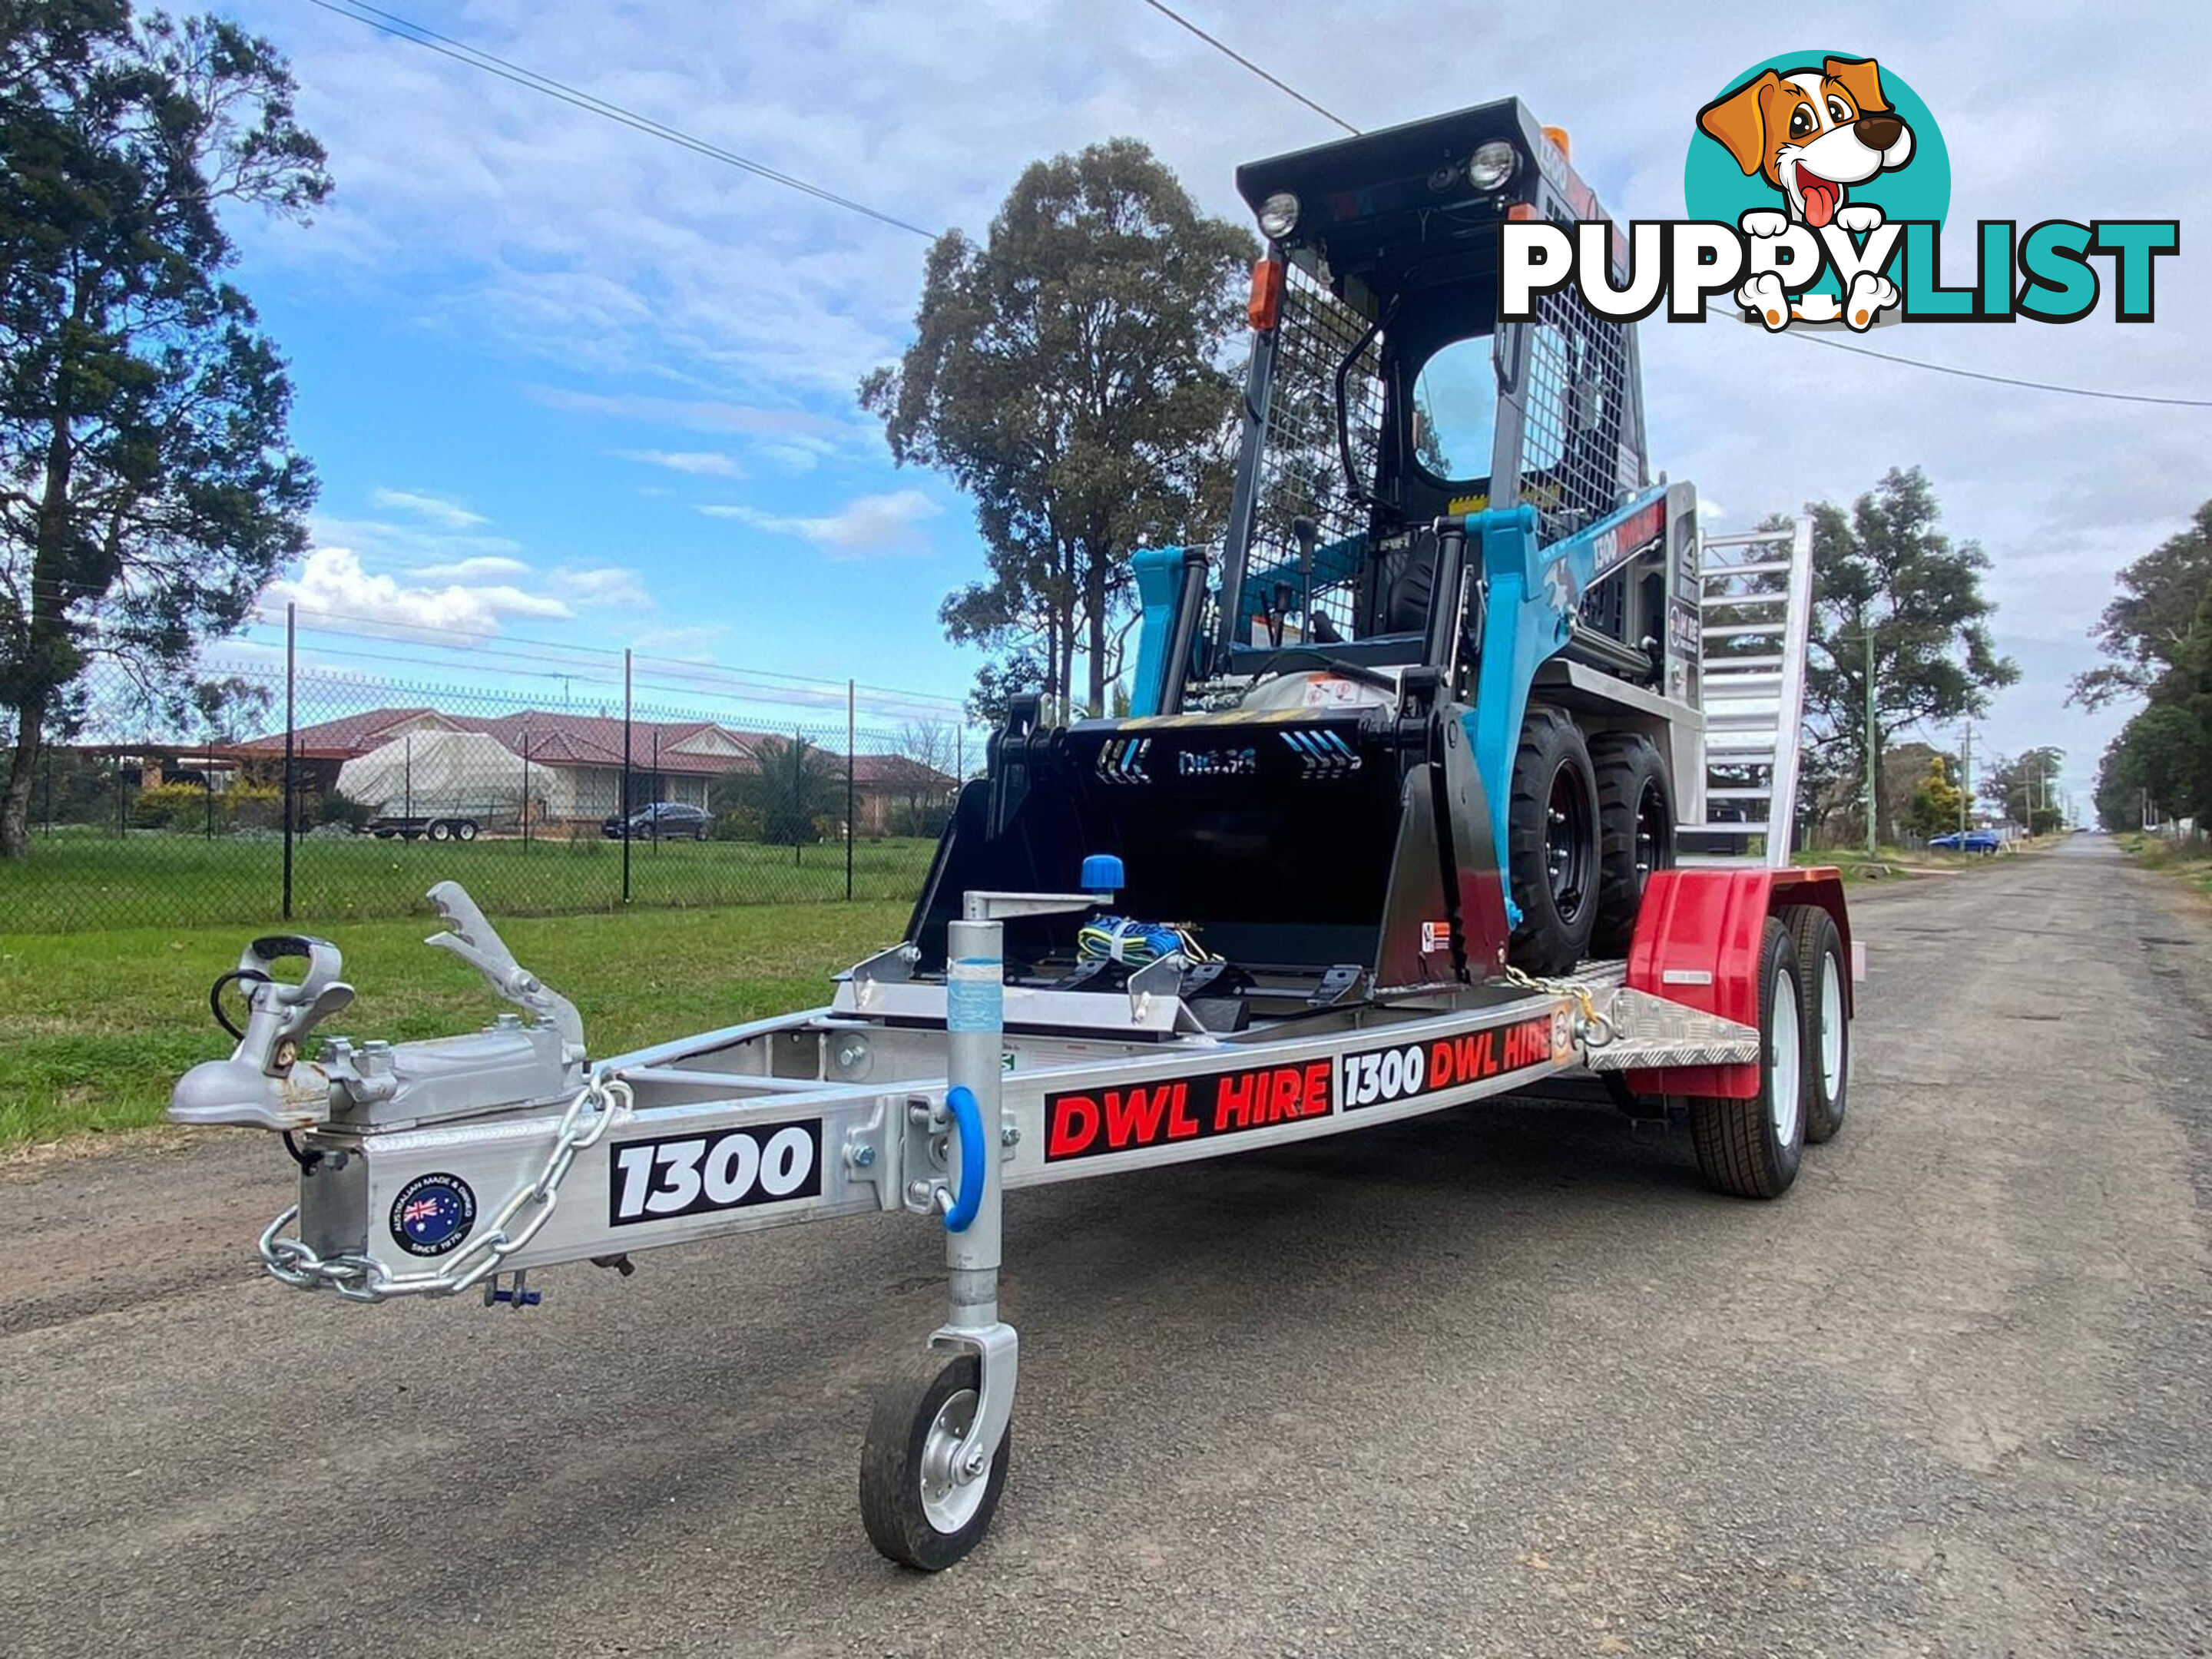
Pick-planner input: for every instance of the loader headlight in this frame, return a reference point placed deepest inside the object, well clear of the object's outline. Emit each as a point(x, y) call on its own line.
point(1493, 166)
point(1278, 215)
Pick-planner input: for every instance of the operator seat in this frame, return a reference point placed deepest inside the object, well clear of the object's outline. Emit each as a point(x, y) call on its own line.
point(1406, 602)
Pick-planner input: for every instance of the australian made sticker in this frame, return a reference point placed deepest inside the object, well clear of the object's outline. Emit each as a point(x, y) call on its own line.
point(432, 1214)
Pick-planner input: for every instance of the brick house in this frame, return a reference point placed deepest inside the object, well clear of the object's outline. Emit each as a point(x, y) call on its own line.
point(573, 763)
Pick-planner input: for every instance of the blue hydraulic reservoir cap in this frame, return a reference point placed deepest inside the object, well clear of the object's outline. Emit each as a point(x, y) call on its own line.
point(1103, 875)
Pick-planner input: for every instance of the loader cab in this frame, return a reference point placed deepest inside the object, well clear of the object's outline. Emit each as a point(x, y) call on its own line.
point(1381, 394)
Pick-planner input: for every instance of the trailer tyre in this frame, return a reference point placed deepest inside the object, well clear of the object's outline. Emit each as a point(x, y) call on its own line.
point(1635, 831)
point(1751, 1148)
point(1827, 1026)
point(441, 830)
point(466, 829)
point(917, 1512)
point(1552, 844)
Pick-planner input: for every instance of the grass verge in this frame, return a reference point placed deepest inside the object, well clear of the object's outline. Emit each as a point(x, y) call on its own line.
point(1856, 864)
point(79, 879)
point(2187, 862)
point(95, 1027)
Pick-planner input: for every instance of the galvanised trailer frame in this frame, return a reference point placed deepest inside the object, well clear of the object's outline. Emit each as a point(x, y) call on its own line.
point(431, 1169)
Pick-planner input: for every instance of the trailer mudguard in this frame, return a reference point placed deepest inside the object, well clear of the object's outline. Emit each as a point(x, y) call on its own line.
point(1698, 941)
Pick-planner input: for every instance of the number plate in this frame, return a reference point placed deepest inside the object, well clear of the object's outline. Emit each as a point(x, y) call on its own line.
point(675, 1175)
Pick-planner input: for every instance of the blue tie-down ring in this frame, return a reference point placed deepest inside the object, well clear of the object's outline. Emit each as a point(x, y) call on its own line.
point(968, 1137)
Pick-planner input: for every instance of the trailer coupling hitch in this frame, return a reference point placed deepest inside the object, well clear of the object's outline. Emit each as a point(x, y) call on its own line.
point(271, 1081)
point(264, 1085)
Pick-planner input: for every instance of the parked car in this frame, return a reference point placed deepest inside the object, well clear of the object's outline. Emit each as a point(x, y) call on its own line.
point(664, 820)
point(1966, 841)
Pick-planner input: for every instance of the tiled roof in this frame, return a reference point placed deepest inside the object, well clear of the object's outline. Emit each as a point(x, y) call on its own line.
point(559, 738)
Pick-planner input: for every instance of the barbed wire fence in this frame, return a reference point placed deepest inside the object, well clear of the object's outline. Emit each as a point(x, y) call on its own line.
point(337, 775)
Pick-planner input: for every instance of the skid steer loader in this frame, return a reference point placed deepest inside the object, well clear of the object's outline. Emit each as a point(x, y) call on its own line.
point(1433, 712)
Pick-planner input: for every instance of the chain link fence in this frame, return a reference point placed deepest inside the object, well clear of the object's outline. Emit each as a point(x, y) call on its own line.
point(331, 783)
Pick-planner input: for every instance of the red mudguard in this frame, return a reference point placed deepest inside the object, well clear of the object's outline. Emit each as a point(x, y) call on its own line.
point(1698, 940)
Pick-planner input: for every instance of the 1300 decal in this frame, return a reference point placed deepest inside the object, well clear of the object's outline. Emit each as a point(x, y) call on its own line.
point(1382, 1076)
point(735, 1170)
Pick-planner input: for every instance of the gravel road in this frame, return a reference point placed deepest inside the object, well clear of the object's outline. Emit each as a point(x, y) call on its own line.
point(1503, 1381)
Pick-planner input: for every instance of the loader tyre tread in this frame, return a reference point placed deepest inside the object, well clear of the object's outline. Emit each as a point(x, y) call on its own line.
point(1635, 832)
point(1550, 939)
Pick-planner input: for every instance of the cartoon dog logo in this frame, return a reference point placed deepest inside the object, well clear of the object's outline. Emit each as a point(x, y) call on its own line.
point(1813, 134)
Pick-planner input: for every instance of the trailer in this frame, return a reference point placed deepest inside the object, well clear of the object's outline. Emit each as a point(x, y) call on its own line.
point(1391, 830)
point(459, 824)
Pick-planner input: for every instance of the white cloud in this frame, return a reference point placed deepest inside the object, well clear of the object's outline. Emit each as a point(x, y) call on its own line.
point(333, 583)
point(872, 525)
point(608, 586)
point(698, 414)
point(398, 541)
point(435, 509)
point(694, 462)
point(794, 458)
point(480, 569)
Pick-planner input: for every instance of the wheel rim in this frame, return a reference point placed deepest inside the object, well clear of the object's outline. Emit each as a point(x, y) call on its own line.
point(1784, 1058)
point(1569, 847)
point(1831, 1026)
point(950, 1502)
point(1650, 833)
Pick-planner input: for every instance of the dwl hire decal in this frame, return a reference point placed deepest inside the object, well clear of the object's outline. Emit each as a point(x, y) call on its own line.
point(1817, 186)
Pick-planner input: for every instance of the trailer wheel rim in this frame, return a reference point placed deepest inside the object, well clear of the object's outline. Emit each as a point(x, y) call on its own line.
point(1784, 1058)
point(1570, 848)
point(1831, 1026)
point(950, 1502)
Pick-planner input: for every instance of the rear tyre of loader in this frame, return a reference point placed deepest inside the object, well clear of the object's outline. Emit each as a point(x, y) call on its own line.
point(918, 1511)
point(1820, 945)
point(1635, 832)
point(1552, 844)
point(1751, 1148)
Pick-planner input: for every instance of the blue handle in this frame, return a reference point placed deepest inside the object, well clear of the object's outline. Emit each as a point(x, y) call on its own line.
point(967, 1139)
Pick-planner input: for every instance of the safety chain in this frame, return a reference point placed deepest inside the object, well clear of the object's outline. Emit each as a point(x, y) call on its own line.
point(364, 1278)
point(1597, 1030)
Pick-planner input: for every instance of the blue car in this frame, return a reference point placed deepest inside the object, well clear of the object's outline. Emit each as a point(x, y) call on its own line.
point(1966, 840)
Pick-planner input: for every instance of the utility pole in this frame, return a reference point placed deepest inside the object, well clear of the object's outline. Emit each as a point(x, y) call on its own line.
point(1967, 778)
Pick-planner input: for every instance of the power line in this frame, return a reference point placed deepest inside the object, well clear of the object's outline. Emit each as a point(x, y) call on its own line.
point(1980, 375)
point(399, 28)
point(1226, 51)
point(2003, 380)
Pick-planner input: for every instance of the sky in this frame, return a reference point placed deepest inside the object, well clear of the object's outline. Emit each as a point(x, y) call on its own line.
point(566, 382)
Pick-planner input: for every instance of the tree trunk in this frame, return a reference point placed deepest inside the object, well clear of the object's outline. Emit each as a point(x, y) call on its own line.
point(1063, 672)
point(45, 633)
point(16, 803)
point(1094, 604)
point(1885, 820)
